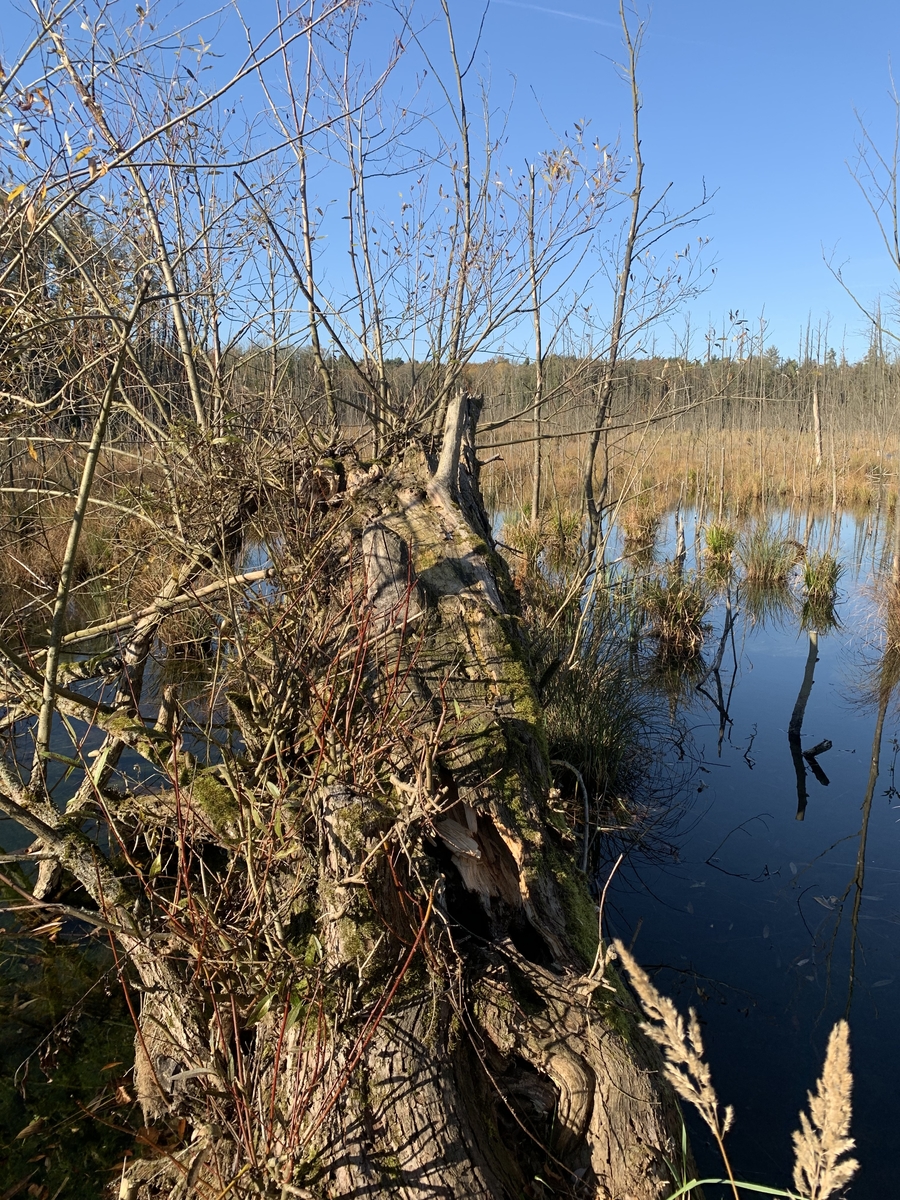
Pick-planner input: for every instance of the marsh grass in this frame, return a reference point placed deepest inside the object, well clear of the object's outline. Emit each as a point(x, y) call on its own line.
point(821, 1145)
point(768, 557)
point(774, 466)
point(821, 574)
point(675, 607)
point(550, 543)
point(594, 711)
point(720, 539)
point(639, 523)
point(601, 722)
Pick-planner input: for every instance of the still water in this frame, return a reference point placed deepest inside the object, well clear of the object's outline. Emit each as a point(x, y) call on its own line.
point(771, 901)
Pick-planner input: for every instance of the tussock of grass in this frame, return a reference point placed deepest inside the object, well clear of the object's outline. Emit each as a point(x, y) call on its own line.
point(768, 557)
point(720, 539)
point(639, 522)
point(675, 608)
point(553, 540)
point(821, 575)
point(595, 712)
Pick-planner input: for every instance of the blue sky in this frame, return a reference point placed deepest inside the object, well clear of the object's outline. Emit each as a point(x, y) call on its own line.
point(754, 101)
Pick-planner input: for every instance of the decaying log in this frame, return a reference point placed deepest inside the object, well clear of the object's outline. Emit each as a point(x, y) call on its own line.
point(359, 946)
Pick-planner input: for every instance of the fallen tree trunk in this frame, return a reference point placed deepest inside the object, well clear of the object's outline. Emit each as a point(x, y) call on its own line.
point(364, 961)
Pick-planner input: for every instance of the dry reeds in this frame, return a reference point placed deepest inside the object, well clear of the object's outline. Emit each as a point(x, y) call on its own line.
point(821, 1142)
point(821, 1145)
point(639, 522)
point(714, 469)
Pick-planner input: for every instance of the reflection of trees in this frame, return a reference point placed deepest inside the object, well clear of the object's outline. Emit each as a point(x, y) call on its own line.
point(795, 726)
point(721, 701)
point(885, 678)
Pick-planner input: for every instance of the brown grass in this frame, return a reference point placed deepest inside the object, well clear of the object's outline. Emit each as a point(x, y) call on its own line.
point(774, 466)
point(821, 1143)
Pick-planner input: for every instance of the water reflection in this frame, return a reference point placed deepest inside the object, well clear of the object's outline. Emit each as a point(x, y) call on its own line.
point(884, 681)
point(795, 726)
point(766, 921)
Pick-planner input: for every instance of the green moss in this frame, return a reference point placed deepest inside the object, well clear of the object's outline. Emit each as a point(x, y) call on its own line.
point(216, 801)
point(509, 787)
point(580, 909)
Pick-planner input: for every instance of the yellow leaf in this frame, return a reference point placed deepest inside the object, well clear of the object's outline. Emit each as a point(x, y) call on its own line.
point(32, 453)
point(52, 927)
point(15, 192)
point(83, 153)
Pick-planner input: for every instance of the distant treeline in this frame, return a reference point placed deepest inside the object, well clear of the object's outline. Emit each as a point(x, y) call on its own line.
point(739, 394)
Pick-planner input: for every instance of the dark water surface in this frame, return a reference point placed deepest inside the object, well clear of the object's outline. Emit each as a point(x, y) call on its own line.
point(770, 925)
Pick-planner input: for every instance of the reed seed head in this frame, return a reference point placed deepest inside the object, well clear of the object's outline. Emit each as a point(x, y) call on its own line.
point(682, 1046)
point(821, 1141)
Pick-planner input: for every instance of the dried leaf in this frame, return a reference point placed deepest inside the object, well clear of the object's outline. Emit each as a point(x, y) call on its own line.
point(31, 1128)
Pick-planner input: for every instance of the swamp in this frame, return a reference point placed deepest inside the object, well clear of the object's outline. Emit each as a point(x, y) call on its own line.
point(447, 743)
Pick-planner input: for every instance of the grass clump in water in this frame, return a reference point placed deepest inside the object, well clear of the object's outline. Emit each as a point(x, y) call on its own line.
point(596, 716)
point(550, 543)
point(639, 523)
point(768, 557)
point(675, 607)
point(821, 575)
point(721, 539)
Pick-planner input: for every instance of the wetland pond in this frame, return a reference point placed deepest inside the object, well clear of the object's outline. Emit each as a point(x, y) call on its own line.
point(771, 901)
point(766, 893)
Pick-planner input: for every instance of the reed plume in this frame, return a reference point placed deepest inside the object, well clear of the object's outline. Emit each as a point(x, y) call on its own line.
point(682, 1047)
point(821, 1140)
